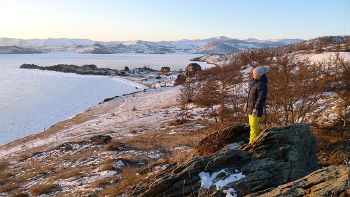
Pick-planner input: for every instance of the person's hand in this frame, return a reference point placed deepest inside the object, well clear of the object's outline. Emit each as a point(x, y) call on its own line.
point(255, 113)
point(245, 107)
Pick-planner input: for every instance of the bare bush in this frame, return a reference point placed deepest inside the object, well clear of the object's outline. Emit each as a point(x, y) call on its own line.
point(188, 91)
point(295, 87)
point(341, 81)
point(182, 116)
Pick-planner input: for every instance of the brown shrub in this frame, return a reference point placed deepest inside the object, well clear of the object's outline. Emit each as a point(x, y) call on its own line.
point(100, 183)
point(114, 146)
point(129, 179)
point(21, 195)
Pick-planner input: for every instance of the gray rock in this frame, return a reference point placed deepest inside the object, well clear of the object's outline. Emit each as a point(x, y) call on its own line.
point(330, 181)
point(279, 155)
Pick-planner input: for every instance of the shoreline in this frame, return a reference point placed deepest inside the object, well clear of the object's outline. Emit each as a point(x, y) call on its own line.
point(53, 97)
point(61, 132)
point(50, 112)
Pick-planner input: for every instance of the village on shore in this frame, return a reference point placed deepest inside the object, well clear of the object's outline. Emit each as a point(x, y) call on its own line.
point(92, 69)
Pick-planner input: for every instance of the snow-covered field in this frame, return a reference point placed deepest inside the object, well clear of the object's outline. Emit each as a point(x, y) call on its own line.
point(33, 100)
point(327, 56)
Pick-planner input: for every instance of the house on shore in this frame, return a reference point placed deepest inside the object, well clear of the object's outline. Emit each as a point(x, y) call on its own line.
point(89, 67)
point(165, 69)
point(192, 69)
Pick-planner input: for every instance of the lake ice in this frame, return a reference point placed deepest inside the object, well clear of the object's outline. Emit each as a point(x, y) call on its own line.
point(33, 100)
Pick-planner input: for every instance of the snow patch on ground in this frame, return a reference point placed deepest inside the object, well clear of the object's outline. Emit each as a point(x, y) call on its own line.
point(208, 180)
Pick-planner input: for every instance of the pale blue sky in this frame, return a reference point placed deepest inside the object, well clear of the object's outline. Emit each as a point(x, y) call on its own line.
point(172, 20)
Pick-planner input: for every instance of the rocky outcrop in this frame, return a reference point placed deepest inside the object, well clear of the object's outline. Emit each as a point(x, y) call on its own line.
point(330, 181)
point(278, 156)
point(216, 141)
point(69, 68)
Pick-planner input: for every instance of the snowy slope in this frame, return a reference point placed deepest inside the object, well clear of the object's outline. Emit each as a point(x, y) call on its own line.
point(44, 42)
point(276, 42)
point(215, 45)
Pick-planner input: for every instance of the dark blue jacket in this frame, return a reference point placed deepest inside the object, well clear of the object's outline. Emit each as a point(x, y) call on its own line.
point(257, 95)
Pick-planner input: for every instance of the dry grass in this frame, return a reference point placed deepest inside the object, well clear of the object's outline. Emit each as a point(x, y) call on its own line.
point(100, 183)
point(3, 178)
point(68, 173)
point(4, 175)
point(34, 168)
point(40, 189)
point(325, 136)
point(129, 178)
point(108, 164)
point(21, 194)
point(114, 146)
point(8, 187)
point(180, 156)
point(160, 140)
point(4, 165)
point(151, 149)
point(331, 148)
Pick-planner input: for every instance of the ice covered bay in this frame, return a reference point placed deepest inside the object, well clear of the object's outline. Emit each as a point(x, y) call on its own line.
point(33, 100)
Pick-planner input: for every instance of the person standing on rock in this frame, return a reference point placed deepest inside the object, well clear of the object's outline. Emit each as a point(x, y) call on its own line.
point(256, 99)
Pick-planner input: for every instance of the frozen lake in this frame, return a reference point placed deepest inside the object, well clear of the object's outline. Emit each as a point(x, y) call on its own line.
point(33, 100)
point(115, 61)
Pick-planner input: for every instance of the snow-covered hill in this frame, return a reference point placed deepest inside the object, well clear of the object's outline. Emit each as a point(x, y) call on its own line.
point(215, 45)
point(64, 42)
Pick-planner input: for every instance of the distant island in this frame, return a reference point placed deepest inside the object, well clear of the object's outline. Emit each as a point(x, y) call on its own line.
point(88, 69)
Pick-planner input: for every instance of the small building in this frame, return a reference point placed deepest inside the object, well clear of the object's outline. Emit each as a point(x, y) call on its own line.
point(126, 68)
point(122, 73)
point(192, 69)
point(165, 69)
point(89, 67)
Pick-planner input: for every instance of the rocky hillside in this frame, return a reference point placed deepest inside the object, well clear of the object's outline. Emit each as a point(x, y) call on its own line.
point(275, 165)
point(312, 46)
point(131, 147)
point(18, 50)
point(217, 45)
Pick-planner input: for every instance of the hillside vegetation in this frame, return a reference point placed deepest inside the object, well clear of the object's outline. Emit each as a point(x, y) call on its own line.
point(112, 160)
point(301, 90)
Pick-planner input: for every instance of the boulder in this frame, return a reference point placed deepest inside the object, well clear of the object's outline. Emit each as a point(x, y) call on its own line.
point(218, 140)
point(330, 181)
point(279, 155)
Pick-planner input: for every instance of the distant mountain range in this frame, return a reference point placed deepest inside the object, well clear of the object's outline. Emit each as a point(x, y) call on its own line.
point(216, 45)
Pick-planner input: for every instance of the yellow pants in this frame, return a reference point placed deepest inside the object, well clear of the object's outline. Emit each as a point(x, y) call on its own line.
point(254, 127)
